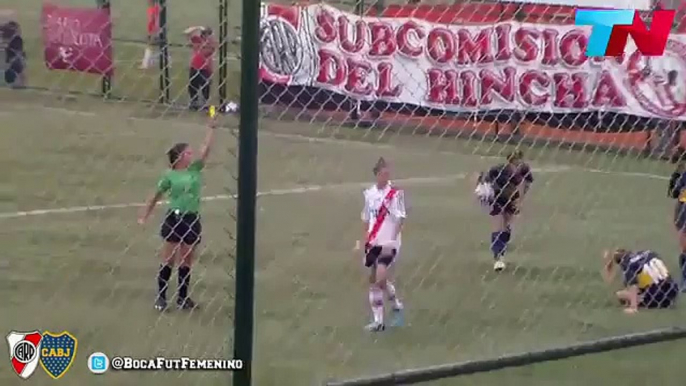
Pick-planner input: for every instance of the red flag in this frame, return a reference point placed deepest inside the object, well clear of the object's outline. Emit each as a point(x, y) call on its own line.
point(77, 39)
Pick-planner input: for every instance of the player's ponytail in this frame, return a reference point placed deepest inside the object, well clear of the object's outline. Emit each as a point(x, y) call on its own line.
point(380, 164)
point(619, 255)
point(175, 153)
point(516, 155)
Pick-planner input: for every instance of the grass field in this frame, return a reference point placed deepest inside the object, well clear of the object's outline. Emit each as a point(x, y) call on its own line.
point(91, 272)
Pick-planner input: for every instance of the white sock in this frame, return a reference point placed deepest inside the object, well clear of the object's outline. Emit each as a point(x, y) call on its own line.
point(147, 58)
point(392, 296)
point(376, 302)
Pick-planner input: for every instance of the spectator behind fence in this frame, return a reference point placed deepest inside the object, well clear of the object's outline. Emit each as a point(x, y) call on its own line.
point(151, 49)
point(200, 74)
point(14, 55)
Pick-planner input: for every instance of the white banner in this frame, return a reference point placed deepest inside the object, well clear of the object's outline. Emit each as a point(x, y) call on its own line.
point(505, 66)
point(643, 5)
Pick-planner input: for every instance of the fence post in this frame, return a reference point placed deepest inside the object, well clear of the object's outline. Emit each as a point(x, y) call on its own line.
point(106, 85)
point(247, 192)
point(380, 6)
point(359, 7)
point(164, 54)
point(223, 50)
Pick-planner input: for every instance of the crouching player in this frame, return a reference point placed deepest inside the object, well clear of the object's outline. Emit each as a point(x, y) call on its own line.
point(677, 191)
point(647, 282)
point(501, 190)
point(383, 217)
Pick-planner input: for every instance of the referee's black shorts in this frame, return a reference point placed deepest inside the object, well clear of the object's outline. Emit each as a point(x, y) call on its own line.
point(505, 205)
point(181, 228)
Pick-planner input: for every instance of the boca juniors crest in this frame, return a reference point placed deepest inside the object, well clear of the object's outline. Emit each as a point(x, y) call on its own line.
point(24, 351)
point(57, 353)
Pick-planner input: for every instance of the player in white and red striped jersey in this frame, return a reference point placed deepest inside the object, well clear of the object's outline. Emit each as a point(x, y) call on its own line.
point(383, 217)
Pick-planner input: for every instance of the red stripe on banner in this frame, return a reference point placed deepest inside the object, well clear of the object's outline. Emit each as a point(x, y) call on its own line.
point(381, 216)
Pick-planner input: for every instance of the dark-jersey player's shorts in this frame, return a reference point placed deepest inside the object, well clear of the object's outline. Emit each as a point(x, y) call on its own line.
point(373, 256)
point(184, 228)
point(662, 295)
point(503, 205)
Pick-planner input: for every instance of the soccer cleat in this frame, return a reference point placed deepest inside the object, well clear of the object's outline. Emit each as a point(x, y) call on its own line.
point(398, 318)
point(375, 327)
point(499, 266)
point(186, 304)
point(160, 304)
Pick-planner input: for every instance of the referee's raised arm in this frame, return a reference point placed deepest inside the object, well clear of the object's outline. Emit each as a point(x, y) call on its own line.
point(209, 137)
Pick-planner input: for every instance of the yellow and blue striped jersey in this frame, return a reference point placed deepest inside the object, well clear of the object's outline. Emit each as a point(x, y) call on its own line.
point(677, 187)
point(644, 269)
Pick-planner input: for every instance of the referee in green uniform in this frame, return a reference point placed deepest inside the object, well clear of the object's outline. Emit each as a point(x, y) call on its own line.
point(181, 228)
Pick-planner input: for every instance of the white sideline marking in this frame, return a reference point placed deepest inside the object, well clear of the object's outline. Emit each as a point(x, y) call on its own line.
point(304, 138)
point(65, 111)
point(628, 174)
point(298, 137)
point(274, 192)
point(333, 141)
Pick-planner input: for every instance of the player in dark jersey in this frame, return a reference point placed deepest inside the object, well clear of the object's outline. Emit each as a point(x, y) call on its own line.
point(505, 186)
point(647, 282)
point(677, 191)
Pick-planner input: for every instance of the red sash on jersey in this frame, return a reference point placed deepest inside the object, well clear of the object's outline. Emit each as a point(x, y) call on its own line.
point(381, 216)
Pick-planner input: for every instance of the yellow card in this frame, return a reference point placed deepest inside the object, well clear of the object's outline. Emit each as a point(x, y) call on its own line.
point(213, 111)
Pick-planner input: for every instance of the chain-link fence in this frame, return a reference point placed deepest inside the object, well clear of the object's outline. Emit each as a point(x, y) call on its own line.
point(88, 144)
point(442, 91)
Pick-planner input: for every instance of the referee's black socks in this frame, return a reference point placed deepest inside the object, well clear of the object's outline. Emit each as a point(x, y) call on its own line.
point(184, 281)
point(163, 281)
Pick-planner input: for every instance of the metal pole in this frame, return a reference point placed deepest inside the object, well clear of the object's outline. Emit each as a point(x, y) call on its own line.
point(164, 55)
point(359, 7)
point(247, 193)
point(106, 84)
point(380, 7)
point(223, 50)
